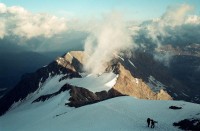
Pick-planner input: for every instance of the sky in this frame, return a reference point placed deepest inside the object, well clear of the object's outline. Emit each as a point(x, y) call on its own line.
point(133, 9)
point(97, 26)
point(34, 23)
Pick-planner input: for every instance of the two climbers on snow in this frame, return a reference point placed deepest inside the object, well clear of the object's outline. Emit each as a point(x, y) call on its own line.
point(151, 122)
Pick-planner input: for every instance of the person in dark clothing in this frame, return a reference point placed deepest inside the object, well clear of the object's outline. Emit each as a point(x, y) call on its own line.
point(148, 121)
point(153, 123)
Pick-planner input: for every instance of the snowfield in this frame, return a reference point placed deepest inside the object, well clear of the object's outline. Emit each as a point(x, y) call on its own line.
point(117, 114)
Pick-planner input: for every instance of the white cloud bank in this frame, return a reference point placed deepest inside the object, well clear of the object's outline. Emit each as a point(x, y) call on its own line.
point(17, 21)
point(175, 26)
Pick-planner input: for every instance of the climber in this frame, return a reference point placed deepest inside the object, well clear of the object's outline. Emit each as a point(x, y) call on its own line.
point(148, 121)
point(153, 123)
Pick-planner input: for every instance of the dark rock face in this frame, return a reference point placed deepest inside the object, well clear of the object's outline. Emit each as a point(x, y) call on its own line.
point(2, 92)
point(188, 124)
point(77, 65)
point(186, 69)
point(175, 107)
point(81, 96)
point(30, 83)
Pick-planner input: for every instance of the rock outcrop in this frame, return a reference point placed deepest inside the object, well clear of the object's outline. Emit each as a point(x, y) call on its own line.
point(128, 85)
point(80, 96)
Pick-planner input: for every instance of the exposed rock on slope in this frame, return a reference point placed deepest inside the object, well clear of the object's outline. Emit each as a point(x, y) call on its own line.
point(128, 85)
point(188, 124)
point(73, 60)
point(80, 96)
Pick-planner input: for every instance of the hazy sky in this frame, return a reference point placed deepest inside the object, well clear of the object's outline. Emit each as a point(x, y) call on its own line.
point(133, 9)
point(93, 25)
point(33, 24)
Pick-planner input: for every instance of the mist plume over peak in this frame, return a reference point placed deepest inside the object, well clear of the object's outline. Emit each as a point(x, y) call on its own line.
point(110, 37)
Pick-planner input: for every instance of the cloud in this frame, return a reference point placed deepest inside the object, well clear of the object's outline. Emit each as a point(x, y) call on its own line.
point(2, 8)
point(165, 58)
point(44, 32)
point(2, 30)
point(198, 69)
point(177, 27)
point(17, 21)
point(106, 38)
point(176, 15)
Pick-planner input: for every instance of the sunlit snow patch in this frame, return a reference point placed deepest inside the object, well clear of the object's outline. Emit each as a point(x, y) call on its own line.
point(95, 83)
point(51, 85)
point(116, 55)
point(132, 63)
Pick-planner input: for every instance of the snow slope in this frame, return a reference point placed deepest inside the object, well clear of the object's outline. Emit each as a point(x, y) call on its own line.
point(117, 114)
point(121, 113)
point(95, 83)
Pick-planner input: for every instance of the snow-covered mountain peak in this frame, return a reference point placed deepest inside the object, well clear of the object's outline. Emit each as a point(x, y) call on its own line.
point(63, 90)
